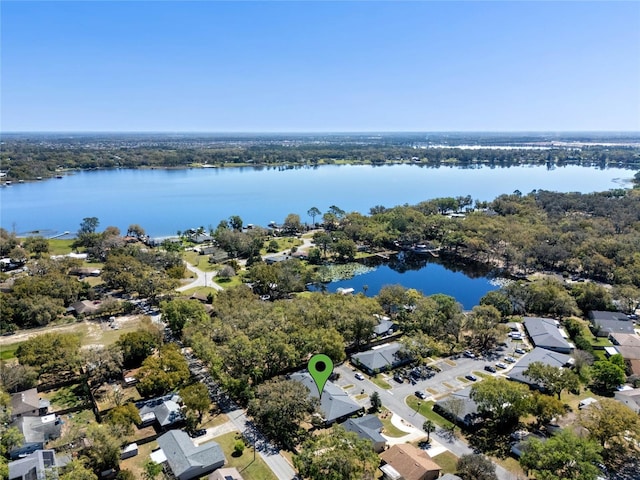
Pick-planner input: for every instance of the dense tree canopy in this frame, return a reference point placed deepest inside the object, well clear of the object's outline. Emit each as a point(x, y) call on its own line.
point(337, 455)
point(272, 399)
point(563, 456)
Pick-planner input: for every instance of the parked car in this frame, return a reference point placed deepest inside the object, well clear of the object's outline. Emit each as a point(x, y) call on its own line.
point(501, 365)
point(421, 394)
point(490, 368)
point(471, 377)
point(469, 354)
point(198, 433)
point(359, 376)
point(520, 351)
point(398, 378)
point(509, 359)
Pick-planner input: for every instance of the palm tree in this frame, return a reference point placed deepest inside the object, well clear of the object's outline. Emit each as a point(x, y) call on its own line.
point(428, 426)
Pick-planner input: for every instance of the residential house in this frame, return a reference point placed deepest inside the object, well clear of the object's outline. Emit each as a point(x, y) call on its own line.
point(384, 327)
point(538, 354)
point(38, 465)
point(406, 462)
point(226, 474)
point(518, 447)
point(368, 428)
point(85, 307)
point(381, 358)
point(631, 398)
point(606, 323)
point(162, 412)
point(547, 333)
point(28, 403)
point(184, 459)
point(460, 408)
point(335, 404)
point(37, 431)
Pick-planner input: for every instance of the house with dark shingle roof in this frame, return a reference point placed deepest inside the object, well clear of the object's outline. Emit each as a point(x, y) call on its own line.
point(406, 462)
point(606, 323)
point(187, 461)
point(335, 404)
point(381, 358)
point(546, 333)
point(368, 428)
point(164, 411)
point(538, 354)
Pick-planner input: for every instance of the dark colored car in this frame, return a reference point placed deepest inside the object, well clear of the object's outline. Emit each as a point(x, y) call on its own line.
point(490, 368)
point(421, 394)
point(473, 378)
point(198, 433)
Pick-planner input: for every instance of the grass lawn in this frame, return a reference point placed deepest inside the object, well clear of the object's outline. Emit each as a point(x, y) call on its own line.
point(389, 429)
point(199, 261)
point(136, 464)
point(512, 465)
point(462, 379)
point(9, 351)
point(58, 246)
point(347, 387)
point(199, 290)
point(229, 282)
point(250, 469)
point(447, 461)
point(426, 410)
point(361, 396)
point(67, 397)
point(284, 243)
point(381, 383)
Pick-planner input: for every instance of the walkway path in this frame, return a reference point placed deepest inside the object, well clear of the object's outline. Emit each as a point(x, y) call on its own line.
point(203, 279)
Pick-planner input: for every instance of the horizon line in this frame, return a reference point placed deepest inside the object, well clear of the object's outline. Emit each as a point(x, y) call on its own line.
point(308, 132)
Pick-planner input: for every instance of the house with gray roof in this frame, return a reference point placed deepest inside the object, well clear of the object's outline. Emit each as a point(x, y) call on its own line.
point(28, 403)
point(368, 428)
point(630, 397)
point(460, 408)
point(186, 460)
point(37, 431)
point(546, 333)
point(164, 412)
point(384, 327)
point(538, 354)
point(34, 466)
point(606, 323)
point(335, 404)
point(380, 358)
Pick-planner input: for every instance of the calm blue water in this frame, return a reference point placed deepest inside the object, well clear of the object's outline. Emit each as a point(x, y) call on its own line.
point(165, 201)
point(431, 278)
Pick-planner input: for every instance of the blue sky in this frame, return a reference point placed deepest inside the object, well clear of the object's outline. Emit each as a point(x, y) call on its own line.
point(320, 66)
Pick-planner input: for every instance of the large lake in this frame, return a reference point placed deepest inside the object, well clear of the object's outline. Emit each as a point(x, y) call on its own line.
point(164, 201)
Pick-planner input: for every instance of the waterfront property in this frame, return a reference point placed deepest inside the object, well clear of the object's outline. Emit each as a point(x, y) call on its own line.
point(547, 333)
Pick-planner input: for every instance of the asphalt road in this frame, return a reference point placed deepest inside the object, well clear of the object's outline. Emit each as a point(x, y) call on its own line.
point(449, 379)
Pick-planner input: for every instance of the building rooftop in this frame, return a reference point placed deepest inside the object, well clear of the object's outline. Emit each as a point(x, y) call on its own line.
point(335, 403)
point(545, 333)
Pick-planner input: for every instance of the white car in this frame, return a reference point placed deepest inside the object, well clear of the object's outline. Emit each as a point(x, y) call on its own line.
point(359, 376)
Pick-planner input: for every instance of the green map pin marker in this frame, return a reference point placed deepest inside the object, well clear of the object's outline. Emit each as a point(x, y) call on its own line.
point(320, 367)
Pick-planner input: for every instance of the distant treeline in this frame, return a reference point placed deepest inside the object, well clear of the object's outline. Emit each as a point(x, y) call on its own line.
point(25, 158)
